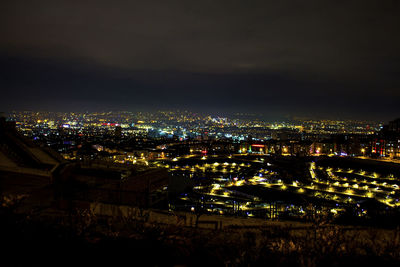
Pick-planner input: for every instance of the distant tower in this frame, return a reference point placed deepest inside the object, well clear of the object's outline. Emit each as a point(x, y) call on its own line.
point(394, 126)
point(118, 131)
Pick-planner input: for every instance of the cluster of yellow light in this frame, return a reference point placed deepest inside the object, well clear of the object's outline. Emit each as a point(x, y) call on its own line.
point(349, 191)
point(239, 183)
point(215, 167)
point(312, 168)
point(367, 190)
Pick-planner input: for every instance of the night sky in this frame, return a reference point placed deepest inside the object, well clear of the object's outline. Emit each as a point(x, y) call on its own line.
point(334, 59)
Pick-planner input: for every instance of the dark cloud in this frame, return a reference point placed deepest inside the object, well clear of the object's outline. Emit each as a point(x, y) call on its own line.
point(270, 56)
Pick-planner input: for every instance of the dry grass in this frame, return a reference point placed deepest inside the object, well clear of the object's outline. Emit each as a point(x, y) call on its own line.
point(320, 244)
